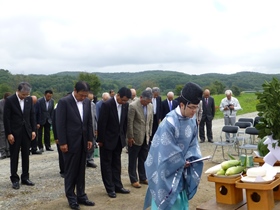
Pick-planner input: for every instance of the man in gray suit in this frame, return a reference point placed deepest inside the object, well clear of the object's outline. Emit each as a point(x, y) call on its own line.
point(90, 153)
point(139, 131)
point(4, 145)
point(208, 107)
point(46, 104)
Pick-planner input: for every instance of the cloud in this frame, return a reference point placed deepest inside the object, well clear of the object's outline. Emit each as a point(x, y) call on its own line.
point(195, 37)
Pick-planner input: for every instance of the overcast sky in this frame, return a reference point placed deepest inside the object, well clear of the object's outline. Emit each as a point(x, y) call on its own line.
point(194, 37)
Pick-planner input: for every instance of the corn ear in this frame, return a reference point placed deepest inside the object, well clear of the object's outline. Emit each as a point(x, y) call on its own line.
point(234, 170)
point(229, 163)
point(221, 172)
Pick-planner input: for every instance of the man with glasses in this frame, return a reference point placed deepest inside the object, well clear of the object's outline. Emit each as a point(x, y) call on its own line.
point(139, 131)
point(172, 179)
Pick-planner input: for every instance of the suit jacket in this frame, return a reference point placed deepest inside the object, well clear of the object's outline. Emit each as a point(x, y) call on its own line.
point(46, 114)
point(137, 126)
point(16, 121)
point(158, 108)
point(199, 111)
point(208, 110)
point(2, 103)
point(94, 119)
point(165, 107)
point(110, 130)
point(71, 130)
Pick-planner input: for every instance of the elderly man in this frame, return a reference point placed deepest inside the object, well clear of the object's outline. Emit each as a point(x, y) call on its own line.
point(133, 95)
point(105, 97)
point(156, 100)
point(229, 106)
point(37, 111)
point(208, 114)
point(139, 130)
point(168, 104)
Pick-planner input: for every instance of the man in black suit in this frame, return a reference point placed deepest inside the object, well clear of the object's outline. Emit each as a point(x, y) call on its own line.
point(20, 129)
point(168, 104)
point(33, 149)
point(75, 136)
point(46, 104)
point(208, 107)
point(156, 101)
point(112, 127)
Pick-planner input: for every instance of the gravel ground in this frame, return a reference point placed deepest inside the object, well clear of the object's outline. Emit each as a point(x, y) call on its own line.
point(48, 192)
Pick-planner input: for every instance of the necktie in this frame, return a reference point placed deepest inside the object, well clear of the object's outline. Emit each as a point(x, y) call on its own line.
point(119, 111)
point(170, 105)
point(206, 101)
point(145, 112)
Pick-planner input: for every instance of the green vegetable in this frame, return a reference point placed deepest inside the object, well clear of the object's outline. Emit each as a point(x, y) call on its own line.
point(229, 163)
point(221, 172)
point(262, 148)
point(234, 170)
point(231, 157)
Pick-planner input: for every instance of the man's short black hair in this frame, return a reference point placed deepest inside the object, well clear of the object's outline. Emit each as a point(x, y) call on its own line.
point(48, 91)
point(124, 91)
point(82, 86)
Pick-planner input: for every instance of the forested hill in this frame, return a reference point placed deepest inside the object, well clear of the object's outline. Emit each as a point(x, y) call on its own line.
point(168, 80)
point(63, 82)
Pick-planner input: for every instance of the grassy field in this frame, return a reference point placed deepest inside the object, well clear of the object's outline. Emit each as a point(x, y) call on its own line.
point(247, 101)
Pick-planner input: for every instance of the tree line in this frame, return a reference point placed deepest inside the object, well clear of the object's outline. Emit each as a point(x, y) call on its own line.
point(63, 82)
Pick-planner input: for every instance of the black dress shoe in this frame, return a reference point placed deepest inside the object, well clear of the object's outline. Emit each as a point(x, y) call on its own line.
point(87, 203)
point(112, 195)
point(27, 182)
point(123, 191)
point(2, 157)
point(49, 149)
point(91, 165)
point(41, 150)
point(16, 185)
point(37, 152)
point(210, 141)
point(74, 206)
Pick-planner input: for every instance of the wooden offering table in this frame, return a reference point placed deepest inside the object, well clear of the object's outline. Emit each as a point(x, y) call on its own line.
point(226, 192)
point(259, 195)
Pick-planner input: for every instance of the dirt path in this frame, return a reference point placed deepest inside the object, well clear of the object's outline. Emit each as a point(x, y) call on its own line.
point(48, 193)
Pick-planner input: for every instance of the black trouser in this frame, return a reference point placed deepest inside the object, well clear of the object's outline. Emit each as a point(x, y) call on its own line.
point(60, 160)
point(110, 161)
point(34, 143)
point(75, 166)
point(47, 127)
point(208, 124)
point(22, 143)
point(137, 152)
